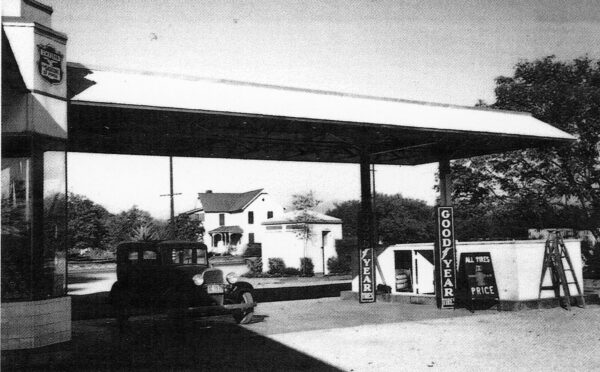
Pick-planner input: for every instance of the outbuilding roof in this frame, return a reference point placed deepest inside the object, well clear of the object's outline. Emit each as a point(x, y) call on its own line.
point(303, 216)
point(213, 202)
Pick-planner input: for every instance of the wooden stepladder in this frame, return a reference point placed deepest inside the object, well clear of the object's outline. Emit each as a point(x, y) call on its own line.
point(556, 258)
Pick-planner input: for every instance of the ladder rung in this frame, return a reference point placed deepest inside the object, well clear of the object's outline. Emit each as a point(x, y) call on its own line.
point(546, 287)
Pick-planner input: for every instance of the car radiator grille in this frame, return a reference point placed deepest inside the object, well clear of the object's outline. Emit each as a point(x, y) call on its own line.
point(213, 276)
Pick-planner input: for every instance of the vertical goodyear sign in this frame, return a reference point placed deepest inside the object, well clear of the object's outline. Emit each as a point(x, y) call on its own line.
point(366, 277)
point(447, 256)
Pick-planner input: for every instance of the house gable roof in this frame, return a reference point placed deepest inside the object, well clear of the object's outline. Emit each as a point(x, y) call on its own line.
point(213, 202)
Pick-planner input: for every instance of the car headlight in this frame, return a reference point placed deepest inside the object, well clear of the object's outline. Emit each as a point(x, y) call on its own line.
point(198, 279)
point(231, 278)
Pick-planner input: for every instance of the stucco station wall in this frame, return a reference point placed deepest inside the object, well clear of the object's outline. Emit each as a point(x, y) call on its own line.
point(517, 265)
point(286, 243)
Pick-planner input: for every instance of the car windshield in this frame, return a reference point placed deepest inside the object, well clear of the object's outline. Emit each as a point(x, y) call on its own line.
point(188, 256)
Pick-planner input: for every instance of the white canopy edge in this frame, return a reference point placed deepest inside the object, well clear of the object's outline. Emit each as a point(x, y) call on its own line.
point(233, 97)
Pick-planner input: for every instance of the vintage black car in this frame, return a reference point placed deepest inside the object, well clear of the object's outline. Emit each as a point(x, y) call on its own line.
point(176, 276)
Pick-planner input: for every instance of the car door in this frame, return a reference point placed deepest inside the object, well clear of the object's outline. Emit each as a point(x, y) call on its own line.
point(148, 273)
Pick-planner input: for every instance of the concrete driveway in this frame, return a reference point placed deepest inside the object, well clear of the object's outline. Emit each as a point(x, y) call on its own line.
point(331, 334)
point(391, 337)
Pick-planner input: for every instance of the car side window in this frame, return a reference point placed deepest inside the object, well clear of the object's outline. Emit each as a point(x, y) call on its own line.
point(149, 257)
point(183, 256)
point(201, 259)
point(133, 257)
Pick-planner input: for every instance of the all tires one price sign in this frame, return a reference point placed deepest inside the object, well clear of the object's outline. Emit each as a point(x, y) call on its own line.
point(446, 248)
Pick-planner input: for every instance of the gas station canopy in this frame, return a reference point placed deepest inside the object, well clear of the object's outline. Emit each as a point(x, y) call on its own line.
point(157, 114)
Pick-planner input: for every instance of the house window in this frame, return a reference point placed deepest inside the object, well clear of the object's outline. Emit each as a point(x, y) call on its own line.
point(250, 218)
point(269, 215)
point(250, 238)
point(221, 219)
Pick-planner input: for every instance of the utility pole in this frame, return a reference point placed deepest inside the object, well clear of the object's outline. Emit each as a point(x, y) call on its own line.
point(171, 194)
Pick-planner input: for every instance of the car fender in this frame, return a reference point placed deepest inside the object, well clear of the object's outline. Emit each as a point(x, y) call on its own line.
point(238, 288)
point(118, 288)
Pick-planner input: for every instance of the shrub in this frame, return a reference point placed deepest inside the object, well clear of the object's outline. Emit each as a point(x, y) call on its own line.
point(276, 266)
point(291, 271)
point(338, 265)
point(253, 250)
point(255, 265)
point(307, 268)
point(345, 248)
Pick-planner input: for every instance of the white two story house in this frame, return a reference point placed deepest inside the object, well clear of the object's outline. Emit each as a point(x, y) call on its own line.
point(234, 220)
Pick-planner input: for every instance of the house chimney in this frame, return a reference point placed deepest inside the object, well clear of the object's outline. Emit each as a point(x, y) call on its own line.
point(209, 191)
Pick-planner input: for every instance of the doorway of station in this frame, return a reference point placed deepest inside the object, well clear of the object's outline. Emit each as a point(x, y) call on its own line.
point(414, 271)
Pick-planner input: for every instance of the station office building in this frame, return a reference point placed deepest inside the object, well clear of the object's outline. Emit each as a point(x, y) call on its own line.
point(35, 309)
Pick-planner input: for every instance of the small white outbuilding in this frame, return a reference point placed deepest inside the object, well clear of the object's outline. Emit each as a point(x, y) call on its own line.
point(299, 234)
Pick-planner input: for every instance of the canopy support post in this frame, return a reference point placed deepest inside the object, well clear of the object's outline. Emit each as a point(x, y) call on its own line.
point(445, 175)
point(366, 237)
point(446, 251)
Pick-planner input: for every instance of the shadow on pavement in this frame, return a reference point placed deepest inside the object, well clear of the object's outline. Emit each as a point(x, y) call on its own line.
point(80, 279)
point(300, 292)
point(156, 343)
point(95, 305)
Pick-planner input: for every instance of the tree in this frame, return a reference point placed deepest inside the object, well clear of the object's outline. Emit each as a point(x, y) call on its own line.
point(122, 227)
point(304, 205)
point(184, 228)
point(552, 185)
point(87, 223)
point(399, 219)
point(347, 211)
point(306, 201)
point(557, 184)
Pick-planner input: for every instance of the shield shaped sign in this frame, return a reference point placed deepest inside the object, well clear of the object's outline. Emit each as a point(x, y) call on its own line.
point(50, 64)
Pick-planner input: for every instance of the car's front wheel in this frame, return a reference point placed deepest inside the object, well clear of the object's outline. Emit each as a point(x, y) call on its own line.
point(244, 316)
point(177, 303)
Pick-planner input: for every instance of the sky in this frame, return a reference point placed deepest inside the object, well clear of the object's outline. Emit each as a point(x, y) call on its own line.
point(437, 51)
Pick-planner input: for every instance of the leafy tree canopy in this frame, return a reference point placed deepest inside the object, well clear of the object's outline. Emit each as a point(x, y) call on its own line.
point(185, 228)
point(546, 187)
point(123, 226)
point(87, 223)
point(91, 226)
point(306, 201)
point(399, 219)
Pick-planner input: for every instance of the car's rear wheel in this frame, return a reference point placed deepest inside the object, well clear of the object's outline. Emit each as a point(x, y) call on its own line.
point(244, 316)
point(121, 304)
